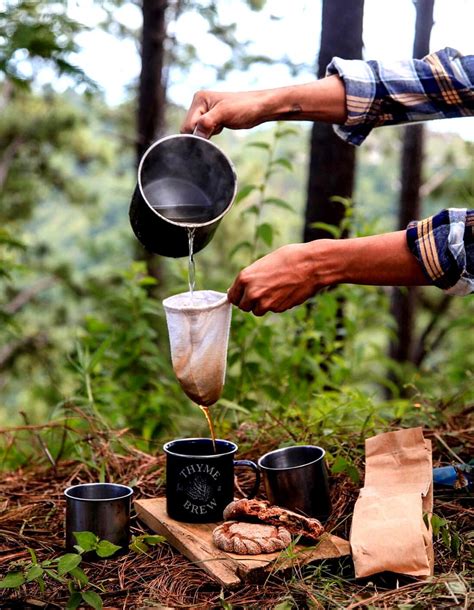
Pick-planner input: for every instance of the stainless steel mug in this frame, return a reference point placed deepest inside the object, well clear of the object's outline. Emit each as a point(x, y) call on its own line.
point(183, 181)
point(296, 478)
point(199, 481)
point(100, 508)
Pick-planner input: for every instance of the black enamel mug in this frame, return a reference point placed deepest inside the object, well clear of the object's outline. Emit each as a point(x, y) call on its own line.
point(183, 181)
point(199, 481)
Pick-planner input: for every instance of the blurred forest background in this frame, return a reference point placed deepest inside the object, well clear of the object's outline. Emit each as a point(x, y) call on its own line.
point(83, 337)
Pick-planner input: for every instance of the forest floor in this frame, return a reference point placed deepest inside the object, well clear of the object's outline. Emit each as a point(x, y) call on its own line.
point(32, 514)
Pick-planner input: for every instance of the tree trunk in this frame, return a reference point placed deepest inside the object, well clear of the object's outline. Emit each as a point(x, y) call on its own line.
point(332, 161)
point(151, 96)
point(404, 300)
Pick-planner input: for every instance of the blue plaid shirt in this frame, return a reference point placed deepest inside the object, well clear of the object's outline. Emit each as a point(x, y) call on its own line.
point(440, 85)
point(444, 245)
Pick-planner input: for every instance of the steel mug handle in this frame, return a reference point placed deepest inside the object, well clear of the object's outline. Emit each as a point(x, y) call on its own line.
point(256, 469)
point(199, 134)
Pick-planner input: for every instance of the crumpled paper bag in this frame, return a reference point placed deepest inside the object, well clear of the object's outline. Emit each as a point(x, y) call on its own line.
point(388, 531)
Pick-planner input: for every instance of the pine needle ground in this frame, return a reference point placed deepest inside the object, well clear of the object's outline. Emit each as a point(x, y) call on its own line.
point(32, 516)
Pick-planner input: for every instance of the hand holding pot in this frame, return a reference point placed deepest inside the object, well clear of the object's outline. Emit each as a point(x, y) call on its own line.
point(183, 181)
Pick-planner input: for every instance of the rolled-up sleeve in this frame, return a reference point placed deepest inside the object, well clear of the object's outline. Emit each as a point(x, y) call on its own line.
point(444, 246)
point(440, 85)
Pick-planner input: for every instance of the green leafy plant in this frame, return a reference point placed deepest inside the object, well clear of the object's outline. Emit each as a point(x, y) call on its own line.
point(345, 465)
point(125, 376)
point(299, 367)
point(64, 569)
point(445, 530)
point(141, 544)
point(87, 541)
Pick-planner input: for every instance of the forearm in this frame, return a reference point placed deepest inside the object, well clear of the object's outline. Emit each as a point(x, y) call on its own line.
point(322, 100)
point(294, 273)
point(211, 111)
point(380, 260)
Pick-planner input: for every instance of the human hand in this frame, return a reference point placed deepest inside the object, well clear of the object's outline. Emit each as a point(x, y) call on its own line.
point(211, 111)
point(280, 280)
point(292, 274)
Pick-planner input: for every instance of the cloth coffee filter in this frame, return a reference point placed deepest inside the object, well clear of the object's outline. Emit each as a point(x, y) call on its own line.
point(198, 329)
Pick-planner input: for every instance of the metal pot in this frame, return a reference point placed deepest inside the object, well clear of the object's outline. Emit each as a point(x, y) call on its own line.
point(183, 181)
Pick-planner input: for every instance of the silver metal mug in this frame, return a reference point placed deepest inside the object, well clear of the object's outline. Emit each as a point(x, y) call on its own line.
point(183, 181)
point(100, 508)
point(296, 478)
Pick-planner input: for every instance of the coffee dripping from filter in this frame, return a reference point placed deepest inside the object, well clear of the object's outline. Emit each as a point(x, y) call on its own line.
point(186, 184)
point(198, 330)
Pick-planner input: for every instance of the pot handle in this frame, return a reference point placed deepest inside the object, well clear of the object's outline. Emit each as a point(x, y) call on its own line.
point(200, 134)
point(255, 468)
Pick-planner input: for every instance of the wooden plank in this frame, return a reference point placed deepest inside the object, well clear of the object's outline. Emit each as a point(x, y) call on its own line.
point(194, 540)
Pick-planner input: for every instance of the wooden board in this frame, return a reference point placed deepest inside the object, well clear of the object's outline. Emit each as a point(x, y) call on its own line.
point(194, 540)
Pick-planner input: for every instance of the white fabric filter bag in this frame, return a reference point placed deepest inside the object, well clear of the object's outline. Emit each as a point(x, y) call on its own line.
point(198, 330)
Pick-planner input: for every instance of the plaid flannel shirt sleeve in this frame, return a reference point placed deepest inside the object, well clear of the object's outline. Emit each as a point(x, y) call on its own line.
point(440, 85)
point(444, 246)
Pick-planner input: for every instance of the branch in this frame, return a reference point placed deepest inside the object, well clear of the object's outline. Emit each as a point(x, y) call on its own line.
point(422, 348)
point(435, 181)
point(42, 444)
point(26, 295)
point(6, 93)
point(31, 427)
point(7, 158)
point(9, 352)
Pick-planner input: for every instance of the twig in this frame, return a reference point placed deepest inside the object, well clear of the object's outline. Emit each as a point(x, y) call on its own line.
point(421, 349)
point(30, 427)
point(282, 424)
point(9, 352)
point(42, 444)
point(8, 157)
point(26, 295)
point(379, 596)
point(434, 182)
point(448, 448)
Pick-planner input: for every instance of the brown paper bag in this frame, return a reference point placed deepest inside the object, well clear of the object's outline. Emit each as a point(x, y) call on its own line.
point(388, 531)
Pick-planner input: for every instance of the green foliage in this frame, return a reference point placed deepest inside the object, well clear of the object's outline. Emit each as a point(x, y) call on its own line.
point(107, 354)
point(93, 599)
point(141, 544)
point(345, 465)
point(68, 562)
point(445, 531)
point(124, 373)
point(49, 146)
point(12, 580)
point(10, 247)
point(64, 570)
point(299, 367)
point(182, 54)
point(86, 542)
point(32, 31)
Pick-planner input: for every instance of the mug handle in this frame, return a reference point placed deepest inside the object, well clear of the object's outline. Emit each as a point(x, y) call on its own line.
point(256, 469)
